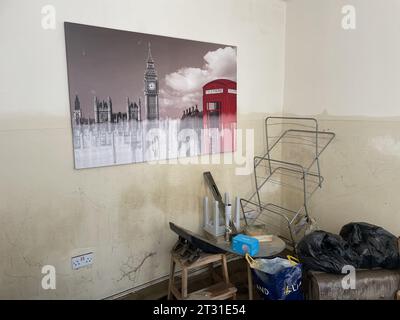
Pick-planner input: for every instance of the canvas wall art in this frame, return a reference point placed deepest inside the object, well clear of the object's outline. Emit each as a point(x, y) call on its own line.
point(138, 97)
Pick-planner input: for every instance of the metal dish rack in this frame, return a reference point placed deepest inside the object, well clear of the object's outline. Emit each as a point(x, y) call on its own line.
point(291, 166)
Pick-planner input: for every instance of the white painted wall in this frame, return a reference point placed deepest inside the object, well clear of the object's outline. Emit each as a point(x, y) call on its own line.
point(343, 72)
point(30, 53)
point(350, 80)
point(50, 212)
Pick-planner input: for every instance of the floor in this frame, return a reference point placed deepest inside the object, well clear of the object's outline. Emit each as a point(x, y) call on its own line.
point(237, 273)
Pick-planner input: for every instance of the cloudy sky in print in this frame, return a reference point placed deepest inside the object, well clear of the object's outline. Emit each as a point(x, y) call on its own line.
point(105, 62)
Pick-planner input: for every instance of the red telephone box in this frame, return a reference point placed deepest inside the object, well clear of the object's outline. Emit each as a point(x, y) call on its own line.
point(219, 112)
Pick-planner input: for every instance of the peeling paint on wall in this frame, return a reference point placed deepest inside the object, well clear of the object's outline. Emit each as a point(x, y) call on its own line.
point(386, 145)
point(360, 170)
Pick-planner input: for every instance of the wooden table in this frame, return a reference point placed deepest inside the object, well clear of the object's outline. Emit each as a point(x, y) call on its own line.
point(218, 245)
point(267, 250)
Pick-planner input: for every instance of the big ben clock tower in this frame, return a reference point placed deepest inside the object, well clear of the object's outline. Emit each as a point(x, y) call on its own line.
point(151, 89)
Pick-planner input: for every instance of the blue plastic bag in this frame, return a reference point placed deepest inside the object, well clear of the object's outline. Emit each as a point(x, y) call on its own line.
point(277, 279)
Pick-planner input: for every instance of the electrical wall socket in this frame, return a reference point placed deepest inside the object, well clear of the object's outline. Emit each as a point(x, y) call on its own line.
point(82, 260)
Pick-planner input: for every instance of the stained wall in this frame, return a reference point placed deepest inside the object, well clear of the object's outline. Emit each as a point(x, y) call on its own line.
point(50, 212)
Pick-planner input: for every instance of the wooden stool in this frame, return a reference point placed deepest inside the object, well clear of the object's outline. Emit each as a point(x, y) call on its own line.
point(220, 291)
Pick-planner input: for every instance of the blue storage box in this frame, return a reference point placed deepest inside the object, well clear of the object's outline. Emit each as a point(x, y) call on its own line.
point(243, 244)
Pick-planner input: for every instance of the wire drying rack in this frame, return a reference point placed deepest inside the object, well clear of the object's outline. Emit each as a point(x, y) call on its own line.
point(287, 176)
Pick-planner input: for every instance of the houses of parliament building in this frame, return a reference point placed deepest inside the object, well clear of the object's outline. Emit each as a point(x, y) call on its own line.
point(103, 109)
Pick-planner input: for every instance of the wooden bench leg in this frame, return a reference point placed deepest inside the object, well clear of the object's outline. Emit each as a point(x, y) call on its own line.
point(250, 282)
point(171, 278)
point(213, 274)
point(225, 269)
point(184, 288)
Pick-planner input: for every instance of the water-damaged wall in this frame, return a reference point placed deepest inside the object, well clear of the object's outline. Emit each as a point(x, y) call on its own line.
point(349, 79)
point(50, 212)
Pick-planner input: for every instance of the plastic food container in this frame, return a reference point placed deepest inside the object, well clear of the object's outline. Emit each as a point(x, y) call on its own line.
point(243, 244)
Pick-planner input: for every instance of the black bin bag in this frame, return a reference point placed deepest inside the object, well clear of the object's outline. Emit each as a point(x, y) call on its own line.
point(376, 247)
point(327, 252)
